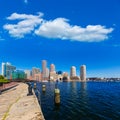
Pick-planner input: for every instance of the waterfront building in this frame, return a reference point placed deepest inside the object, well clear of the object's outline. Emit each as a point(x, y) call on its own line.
point(83, 73)
point(73, 71)
point(59, 75)
point(38, 77)
point(53, 75)
point(35, 71)
point(18, 75)
point(44, 66)
point(7, 69)
point(28, 74)
point(47, 73)
point(73, 75)
point(65, 76)
point(52, 68)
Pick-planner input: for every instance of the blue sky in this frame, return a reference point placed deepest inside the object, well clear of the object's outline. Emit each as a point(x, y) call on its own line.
point(64, 32)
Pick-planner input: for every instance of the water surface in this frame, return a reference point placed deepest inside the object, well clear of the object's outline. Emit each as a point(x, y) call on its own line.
point(81, 101)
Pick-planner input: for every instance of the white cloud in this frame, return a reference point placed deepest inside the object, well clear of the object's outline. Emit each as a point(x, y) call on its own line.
point(26, 24)
point(16, 16)
point(58, 28)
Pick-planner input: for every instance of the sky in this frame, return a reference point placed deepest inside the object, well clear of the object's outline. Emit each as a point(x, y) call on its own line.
point(64, 32)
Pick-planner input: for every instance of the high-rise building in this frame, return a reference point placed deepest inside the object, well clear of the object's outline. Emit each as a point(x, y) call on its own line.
point(7, 70)
point(35, 71)
point(44, 66)
point(83, 73)
point(73, 71)
point(53, 75)
point(28, 73)
point(3, 69)
point(52, 68)
point(37, 77)
point(47, 73)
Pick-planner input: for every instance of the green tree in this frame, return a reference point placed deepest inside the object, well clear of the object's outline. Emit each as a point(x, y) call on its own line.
point(3, 80)
point(1, 77)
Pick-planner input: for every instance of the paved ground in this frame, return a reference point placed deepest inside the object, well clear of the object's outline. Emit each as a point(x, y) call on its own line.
point(16, 105)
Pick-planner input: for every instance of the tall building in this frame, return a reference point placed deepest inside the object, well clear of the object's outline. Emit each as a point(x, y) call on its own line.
point(3, 69)
point(53, 75)
point(83, 73)
point(19, 75)
point(44, 66)
point(37, 77)
point(7, 70)
point(52, 68)
point(35, 71)
point(28, 73)
point(73, 71)
point(47, 73)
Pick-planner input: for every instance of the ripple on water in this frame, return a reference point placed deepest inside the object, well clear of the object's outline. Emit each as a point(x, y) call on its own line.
point(82, 101)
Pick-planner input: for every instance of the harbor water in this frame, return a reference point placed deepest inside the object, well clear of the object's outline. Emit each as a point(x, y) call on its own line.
point(81, 101)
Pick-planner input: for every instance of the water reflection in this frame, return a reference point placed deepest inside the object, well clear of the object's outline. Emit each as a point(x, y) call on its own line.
point(83, 98)
point(73, 85)
point(56, 107)
point(82, 101)
point(83, 86)
point(83, 91)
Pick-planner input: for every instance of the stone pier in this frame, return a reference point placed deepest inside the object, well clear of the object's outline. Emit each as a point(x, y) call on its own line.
point(16, 105)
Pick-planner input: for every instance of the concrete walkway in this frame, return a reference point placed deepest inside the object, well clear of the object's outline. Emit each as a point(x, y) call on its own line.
point(16, 105)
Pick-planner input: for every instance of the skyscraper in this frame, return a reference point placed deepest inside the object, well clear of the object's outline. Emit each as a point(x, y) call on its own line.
point(52, 68)
point(28, 73)
point(47, 73)
point(44, 66)
point(53, 75)
point(83, 73)
point(3, 69)
point(35, 71)
point(73, 71)
point(7, 70)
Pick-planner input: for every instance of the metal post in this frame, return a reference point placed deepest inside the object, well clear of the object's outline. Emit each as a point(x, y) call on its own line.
point(57, 96)
point(43, 88)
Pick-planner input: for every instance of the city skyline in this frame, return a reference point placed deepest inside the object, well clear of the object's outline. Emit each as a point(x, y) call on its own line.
point(44, 68)
point(66, 33)
point(49, 70)
point(46, 74)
